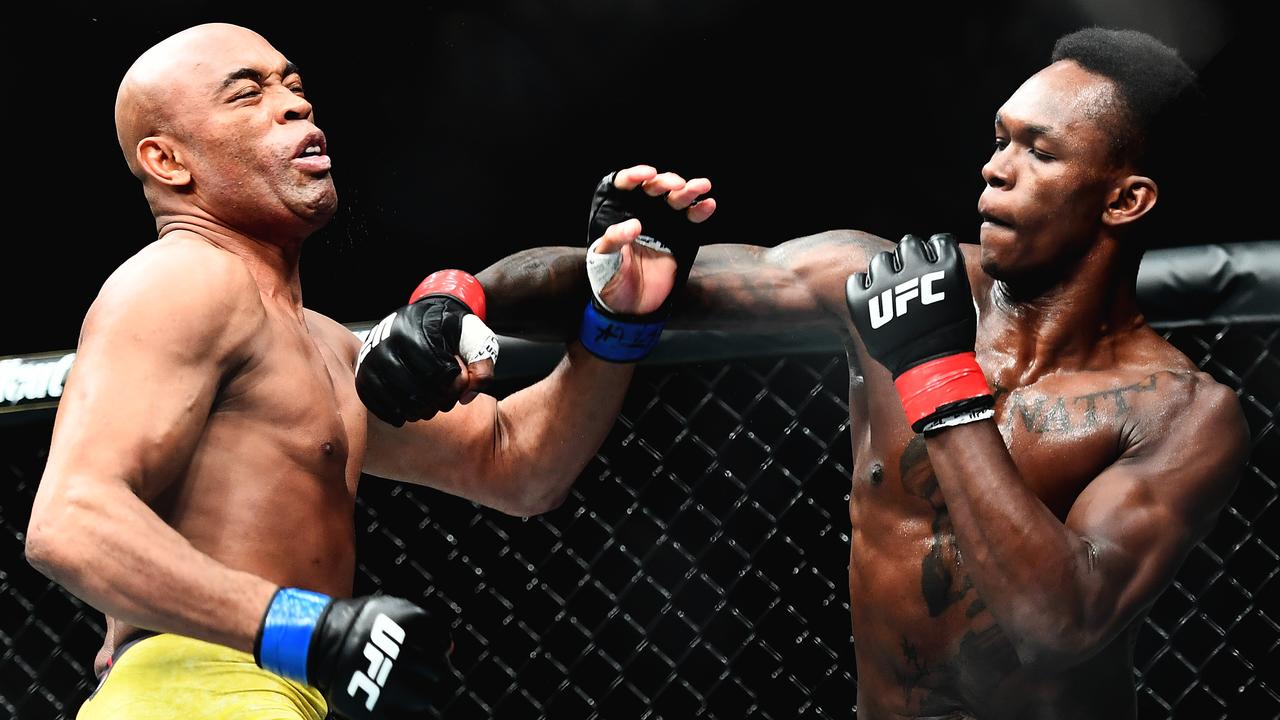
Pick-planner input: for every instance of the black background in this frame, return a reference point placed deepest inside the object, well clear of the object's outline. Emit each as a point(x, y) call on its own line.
point(462, 132)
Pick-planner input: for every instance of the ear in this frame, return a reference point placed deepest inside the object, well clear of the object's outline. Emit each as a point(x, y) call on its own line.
point(1130, 199)
point(159, 158)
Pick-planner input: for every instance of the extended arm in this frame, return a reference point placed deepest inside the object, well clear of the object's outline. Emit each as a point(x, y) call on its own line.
point(534, 293)
point(522, 453)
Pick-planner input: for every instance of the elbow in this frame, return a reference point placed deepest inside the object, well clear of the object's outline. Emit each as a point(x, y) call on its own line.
point(55, 541)
point(530, 503)
point(549, 501)
point(47, 549)
point(1055, 647)
point(1046, 657)
point(534, 493)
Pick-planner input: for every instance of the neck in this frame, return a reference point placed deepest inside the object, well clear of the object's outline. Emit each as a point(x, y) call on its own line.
point(273, 264)
point(1073, 320)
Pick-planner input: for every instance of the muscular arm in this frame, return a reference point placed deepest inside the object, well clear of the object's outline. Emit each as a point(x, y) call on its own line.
point(519, 454)
point(539, 292)
point(164, 331)
point(1061, 591)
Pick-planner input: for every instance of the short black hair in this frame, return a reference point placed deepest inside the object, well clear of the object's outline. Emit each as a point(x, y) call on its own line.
point(1162, 104)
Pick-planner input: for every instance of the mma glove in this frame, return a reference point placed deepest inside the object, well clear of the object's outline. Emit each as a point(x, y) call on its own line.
point(407, 367)
point(371, 657)
point(621, 337)
point(914, 313)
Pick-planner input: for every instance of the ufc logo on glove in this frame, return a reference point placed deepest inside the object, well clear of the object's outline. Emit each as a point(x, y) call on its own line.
point(929, 352)
point(893, 302)
point(383, 647)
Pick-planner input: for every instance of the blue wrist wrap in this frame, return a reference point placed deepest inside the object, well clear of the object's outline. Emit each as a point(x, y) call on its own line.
point(287, 629)
point(619, 340)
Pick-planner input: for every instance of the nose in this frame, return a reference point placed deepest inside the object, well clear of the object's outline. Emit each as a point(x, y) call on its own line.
point(293, 107)
point(997, 172)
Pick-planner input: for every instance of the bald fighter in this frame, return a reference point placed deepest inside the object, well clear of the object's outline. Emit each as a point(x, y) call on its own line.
point(202, 476)
point(1032, 462)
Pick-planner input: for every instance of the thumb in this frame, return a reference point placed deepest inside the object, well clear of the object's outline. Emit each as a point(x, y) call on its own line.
point(477, 342)
point(617, 236)
point(478, 375)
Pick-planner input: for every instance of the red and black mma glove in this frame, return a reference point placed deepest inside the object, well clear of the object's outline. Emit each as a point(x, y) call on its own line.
point(620, 337)
point(914, 312)
point(407, 367)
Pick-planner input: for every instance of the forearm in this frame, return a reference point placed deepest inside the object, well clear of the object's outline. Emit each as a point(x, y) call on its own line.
point(546, 433)
point(798, 284)
point(1028, 567)
point(109, 549)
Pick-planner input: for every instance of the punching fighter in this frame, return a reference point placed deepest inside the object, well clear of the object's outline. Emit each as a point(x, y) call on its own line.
point(1032, 461)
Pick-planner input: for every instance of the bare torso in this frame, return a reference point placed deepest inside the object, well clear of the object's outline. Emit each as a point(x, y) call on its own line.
point(926, 645)
point(271, 485)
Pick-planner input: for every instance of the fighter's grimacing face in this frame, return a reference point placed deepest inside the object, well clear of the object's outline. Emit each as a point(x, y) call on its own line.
point(1050, 173)
point(255, 155)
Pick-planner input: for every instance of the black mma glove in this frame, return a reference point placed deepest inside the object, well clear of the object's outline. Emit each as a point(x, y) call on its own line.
point(618, 336)
point(407, 367)
point(371, 657)
point(914, 312)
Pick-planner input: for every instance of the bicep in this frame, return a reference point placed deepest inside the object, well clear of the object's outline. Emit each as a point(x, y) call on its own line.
point(1140, 518)
point(130, 414)
point(450, 452)
point(1132, 542)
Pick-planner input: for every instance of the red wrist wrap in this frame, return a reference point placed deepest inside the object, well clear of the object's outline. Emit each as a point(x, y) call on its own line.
point(456, 284)
point(928, 386)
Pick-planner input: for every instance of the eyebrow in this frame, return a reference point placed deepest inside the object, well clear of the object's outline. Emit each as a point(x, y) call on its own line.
point(247, 73)
point(1032, 128)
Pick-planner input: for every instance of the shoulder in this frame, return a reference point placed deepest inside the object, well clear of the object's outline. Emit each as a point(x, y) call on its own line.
point(1187, 396)
point(183, 271)
point(1192, 433)
point(1191, 401)
point(181, 289)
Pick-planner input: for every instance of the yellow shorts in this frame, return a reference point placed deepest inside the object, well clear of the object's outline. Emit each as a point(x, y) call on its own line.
point(170, 676)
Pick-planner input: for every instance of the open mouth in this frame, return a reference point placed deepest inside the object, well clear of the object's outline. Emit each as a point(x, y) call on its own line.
point(313, 145)
point(310, 155)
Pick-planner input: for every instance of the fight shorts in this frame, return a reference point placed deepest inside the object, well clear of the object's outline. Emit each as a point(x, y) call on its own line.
point(171, 676)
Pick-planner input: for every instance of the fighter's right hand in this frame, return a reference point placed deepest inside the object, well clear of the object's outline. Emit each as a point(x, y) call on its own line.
point(371, 657)
point(429, 354)
point(914, 313)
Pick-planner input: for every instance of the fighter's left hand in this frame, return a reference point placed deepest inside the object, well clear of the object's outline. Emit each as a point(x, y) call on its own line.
point(640, 228)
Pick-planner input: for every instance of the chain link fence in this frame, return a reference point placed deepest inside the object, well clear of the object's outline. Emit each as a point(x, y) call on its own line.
point(699, 568)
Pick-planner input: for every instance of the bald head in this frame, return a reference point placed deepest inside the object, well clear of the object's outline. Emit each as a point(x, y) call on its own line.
point(215, 122)
point(161, 81)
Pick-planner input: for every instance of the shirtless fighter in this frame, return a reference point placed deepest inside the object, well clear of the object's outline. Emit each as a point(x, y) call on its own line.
point(201, 481)
point(1015, 512)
